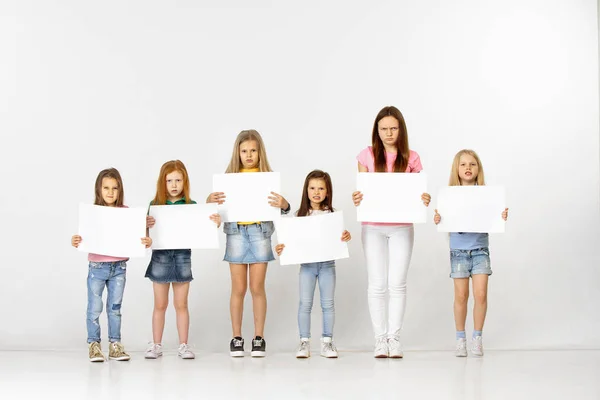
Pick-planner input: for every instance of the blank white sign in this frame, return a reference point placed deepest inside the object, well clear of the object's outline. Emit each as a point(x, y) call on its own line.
point(471, 209)
point(247, 196)
point(391, 197)
point(112, 231)
point(184, 226)
point(312, 239)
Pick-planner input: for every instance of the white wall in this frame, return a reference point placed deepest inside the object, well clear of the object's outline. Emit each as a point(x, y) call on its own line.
point(85, 86)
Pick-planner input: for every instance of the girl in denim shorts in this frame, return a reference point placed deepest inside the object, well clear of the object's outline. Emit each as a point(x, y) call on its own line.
point(171, 267)
point(469, 258)
point(248, 247)
point(317, 198)
point(106, 271)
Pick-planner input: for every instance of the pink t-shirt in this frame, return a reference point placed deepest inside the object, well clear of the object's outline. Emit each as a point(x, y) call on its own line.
point(367, 159)
point(100, 258)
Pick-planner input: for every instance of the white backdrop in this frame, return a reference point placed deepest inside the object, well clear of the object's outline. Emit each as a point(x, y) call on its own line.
point(132, 84)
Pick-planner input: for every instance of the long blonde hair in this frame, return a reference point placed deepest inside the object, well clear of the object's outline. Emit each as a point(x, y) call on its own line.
point(161, 185)
point(455, 179)
point(244, 136)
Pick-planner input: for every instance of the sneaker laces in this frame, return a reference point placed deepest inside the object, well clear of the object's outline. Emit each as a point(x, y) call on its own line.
point(461, 344)
point(380, 344)
point(329, 347)
point(303, 345)
point(257, 342)
point(394, 342)
point(118, 347)
point(477, 343)
point(95, 350)
point(238, 342)
point(154, 347)
point(184, 348)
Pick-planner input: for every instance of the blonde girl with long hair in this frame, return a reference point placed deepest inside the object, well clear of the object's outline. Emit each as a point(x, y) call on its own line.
point(469, 258)
point(248, 248)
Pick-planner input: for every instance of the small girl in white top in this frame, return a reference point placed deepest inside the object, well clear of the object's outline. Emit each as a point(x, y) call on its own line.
point(317, 198)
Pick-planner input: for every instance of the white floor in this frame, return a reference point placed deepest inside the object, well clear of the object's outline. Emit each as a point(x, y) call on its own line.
point(532, 375)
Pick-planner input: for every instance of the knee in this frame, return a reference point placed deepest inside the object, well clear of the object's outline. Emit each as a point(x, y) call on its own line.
point(115, 309)
point(377, 288)
point(480, 297)
point(327, 305)
point(461, 298)
point(397, 289)
point(161, 306)
point(305, 305)
point(181, 305)
point(257, 290)
point(238, 290)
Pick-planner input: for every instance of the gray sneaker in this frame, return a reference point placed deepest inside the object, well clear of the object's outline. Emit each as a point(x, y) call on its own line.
point(304, 348)
point(477, 347)
point(154, 351)
point(461, 347)
point(184, 352)
point(328, 349)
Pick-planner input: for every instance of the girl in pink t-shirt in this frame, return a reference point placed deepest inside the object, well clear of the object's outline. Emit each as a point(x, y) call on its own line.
point(105, 270)
point(388, 246)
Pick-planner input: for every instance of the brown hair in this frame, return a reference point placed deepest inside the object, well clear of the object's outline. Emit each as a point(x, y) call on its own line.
point(161, 185)
point(326, 204)
point(403, 151)
point(244, 136)
point(455, 179)
point(109, 173)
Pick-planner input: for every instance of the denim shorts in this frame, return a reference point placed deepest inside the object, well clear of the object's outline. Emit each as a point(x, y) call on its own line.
point(465, 263)
point(170, 266)
point(248, 244)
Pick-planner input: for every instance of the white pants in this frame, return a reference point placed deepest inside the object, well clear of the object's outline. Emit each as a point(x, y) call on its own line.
point(388, 250)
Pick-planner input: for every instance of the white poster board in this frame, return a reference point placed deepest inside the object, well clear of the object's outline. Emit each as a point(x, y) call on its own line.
point(184, 226)
point(391, 197)
point(471, 209)
point(312, 239)
point(247, 196)
point(112, 231)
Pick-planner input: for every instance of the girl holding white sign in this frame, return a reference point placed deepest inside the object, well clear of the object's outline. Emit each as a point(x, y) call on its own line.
point(317, 198)
point(388, 246)
point(105, 270)
point(171, 267)
point(248, 247)
point(469, 257)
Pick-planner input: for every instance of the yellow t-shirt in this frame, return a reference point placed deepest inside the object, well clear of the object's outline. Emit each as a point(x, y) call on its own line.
point(249, 170)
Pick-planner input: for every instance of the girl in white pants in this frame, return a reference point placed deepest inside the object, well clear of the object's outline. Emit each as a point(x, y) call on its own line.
point(388, 246)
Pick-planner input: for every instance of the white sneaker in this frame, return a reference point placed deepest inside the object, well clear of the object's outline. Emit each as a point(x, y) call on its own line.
point(394, 347)
point(328, 349)
point(304, 348)
point(477, 348)
point(461, 347)
point(184, 352)
point(154, 351)
point(381, 348)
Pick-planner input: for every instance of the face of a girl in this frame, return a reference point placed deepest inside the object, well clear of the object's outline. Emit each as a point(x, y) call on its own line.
point(389, 128)
point(174, 185)
point(468, 169)
point(249, 154)
point(110, 191)
point(317, 192)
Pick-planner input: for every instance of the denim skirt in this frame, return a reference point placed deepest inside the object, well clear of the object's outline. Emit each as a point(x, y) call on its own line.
point(170, 266)
point(248, 244)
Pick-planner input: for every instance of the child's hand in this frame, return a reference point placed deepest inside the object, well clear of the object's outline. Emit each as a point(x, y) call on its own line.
point(437, 217)
point(357, 198)
point(279, 248)
point(216, 197)
point(75, 240)
point(426, 198)
point(346, 237)
point(147, 241)
point(150, 221)
point(278, 201)
point(216, 218)
point(505, 214)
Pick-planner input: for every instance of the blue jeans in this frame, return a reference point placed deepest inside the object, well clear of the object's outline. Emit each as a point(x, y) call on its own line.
point(324, 272)
point(112, 275)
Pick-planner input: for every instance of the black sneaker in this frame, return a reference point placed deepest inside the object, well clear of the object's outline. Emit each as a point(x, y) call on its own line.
point(259, 347)
point(236, 347)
